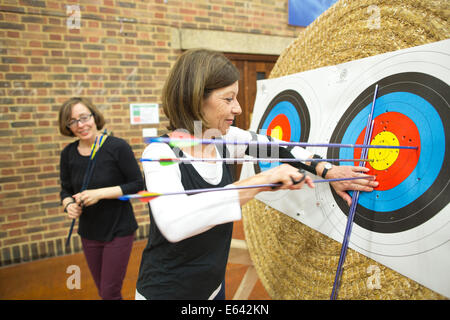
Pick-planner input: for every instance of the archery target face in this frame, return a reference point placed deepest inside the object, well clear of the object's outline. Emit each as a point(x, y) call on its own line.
point(405, 215)
point(286, 118)
point(282, 111)
point(407, 108)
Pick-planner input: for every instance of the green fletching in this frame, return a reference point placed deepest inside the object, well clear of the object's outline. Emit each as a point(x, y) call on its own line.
point(183, 143)
point(166, 163)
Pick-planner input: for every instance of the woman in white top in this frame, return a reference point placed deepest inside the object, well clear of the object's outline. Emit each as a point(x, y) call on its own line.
point(190, 236)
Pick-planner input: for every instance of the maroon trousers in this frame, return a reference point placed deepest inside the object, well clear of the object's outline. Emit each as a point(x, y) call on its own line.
point(108, 263)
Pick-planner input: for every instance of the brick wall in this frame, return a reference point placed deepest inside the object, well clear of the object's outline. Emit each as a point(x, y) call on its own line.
point(114, 52)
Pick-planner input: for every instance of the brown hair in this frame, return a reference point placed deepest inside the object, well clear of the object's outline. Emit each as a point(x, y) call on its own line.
point(65, 114)
point(194, 76)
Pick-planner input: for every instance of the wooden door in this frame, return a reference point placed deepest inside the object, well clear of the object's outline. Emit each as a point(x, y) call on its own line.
point(252, 68)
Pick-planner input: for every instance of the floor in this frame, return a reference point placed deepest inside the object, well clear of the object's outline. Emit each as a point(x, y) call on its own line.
point(53, 278)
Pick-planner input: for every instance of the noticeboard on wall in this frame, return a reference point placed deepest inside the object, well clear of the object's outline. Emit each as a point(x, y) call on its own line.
point(144, 113)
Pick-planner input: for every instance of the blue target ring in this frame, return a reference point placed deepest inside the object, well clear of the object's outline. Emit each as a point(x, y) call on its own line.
point(431, 129)
point(290, 104)
point(289, 110)
point(417, 197)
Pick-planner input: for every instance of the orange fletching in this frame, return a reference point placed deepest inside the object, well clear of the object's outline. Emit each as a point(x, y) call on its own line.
point(148, 196)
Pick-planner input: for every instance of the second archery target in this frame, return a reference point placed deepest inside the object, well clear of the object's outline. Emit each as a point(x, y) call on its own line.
point(411, 110)
point(286, 118)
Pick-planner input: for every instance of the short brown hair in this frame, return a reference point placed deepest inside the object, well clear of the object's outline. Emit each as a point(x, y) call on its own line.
point(196, 73)
point(65, 114)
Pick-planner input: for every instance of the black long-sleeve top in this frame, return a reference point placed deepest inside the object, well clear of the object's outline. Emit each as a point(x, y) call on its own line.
point(115, 165)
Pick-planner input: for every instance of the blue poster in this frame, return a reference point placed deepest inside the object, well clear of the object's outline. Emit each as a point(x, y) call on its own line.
point(303, 12)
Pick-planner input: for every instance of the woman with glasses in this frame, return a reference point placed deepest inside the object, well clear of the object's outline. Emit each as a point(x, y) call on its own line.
point(106, 225)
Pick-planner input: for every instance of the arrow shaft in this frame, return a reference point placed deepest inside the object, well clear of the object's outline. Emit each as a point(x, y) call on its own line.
point(193, 191)
point(85, 182)
point(277, 143)
point(355, 198)
point(245, 160)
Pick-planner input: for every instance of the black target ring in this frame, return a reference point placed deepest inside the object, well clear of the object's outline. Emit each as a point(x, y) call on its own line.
point(436, 197)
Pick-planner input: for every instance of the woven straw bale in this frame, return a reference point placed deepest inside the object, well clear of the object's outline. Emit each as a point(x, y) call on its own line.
point(294, 261)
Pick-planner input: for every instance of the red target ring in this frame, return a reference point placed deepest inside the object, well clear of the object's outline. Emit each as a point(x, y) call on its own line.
point(280, 122)
point(393, 169)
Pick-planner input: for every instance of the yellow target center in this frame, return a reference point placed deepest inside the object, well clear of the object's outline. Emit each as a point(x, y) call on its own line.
point(383, 158)
point(277, 133)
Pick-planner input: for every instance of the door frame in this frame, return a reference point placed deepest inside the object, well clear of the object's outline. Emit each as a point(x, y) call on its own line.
point(248, 65)
point(247, 82)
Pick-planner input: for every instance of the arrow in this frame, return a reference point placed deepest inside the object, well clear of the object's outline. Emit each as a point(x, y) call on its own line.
point(147, 196)
point(87, 176)
point(170, 161)
point(189, 142)
point(355, 198)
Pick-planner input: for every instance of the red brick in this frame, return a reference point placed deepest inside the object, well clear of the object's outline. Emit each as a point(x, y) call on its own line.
point(13, 225)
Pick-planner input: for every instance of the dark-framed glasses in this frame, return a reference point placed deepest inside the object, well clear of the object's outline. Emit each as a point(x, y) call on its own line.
point(83, 119)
